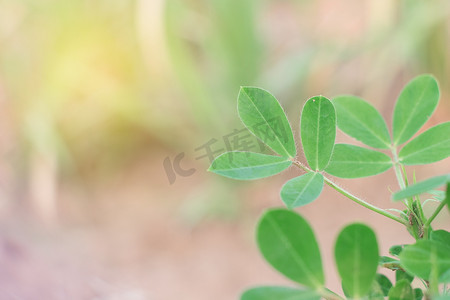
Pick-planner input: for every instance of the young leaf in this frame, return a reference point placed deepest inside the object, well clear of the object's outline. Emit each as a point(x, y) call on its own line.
point(400, 275)
point(263, 116)
point(248, 165)
point(376, 292)
point(384, 283)
point(418, 294)
point(318, 131)
point(356, 255)
point(415, 105)
point(279, 293)
point(425, 257)
point(401, 291)
point(360, 120)
point(288, 243)
point(421, 187)
point(302, 190)
point(431, 146)
point(349, 161)
point(396, 250)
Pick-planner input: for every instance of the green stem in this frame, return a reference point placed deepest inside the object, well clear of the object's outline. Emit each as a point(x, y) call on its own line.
point(399, 175)
point(354, 198)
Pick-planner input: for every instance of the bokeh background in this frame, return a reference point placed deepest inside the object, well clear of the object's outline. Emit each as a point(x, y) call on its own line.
point(102, 102)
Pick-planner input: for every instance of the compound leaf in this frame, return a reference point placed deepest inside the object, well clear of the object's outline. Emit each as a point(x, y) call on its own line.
point(421, 187)
point(288, 243)
point(279, 293)
point(262, 114)
point(302, 190)
point(415, 105)
point(360, 120)
point(349, 161)
point(318, 131)
point(248, 165)
point(356, 255)
point(431, 146)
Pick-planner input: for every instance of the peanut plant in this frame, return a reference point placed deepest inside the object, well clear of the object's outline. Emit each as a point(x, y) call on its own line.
point(285, 238)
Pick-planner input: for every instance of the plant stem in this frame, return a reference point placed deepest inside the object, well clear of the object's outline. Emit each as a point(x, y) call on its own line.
point(354, 198)
point(398, 171)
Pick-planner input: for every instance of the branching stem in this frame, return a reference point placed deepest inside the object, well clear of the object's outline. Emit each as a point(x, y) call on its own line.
point(354, 198)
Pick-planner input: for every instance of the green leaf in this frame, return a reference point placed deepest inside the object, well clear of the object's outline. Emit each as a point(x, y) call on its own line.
point(263, 116)
point(248, 165)
point(431, 146)
point(418, 294)
point(442, 297)
point(426, 258)
point(288, 243)
point(361, 120)
point(349, 161)
point(401, 291)
point(441, 236)
point(400, 275)
point(415, 105)
point(396, 250)
point(384, 283)
point(356, 255)
point(302, 190)
point(279, 293)
point(318, 131)
point(376, 292)
point(447, 196)
point(421, 187)
point(445, 278)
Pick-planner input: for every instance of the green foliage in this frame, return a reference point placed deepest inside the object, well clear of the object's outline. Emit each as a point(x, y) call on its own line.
point(302, 190)
point(318, 131)
point(287, 241)
point(360, 120)
point(401, 291)
point(264, 117)
point(426, 259)
point(279, 293)
point(356, 255)
point(248, 165)
point(421, 187)
point(349, 161)
point(414, 107)
point(431, 146)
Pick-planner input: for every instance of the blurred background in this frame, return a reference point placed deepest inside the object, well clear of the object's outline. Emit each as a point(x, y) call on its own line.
point(111, 111)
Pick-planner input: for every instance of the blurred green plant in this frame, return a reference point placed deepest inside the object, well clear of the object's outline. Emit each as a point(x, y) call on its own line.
point(286, 240)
